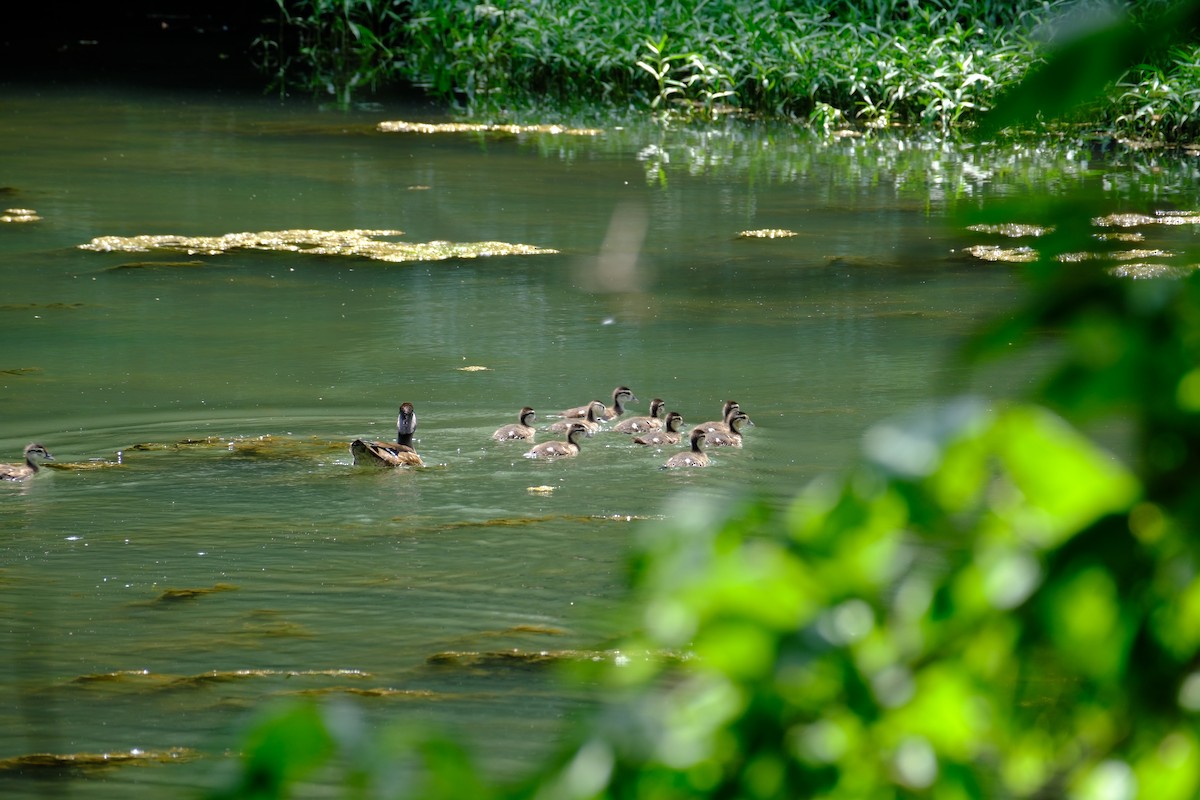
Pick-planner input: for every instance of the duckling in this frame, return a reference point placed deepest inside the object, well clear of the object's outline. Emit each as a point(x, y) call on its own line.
point(653, 422)
point(386, 454)
point(721, 425)
point(567, 449)
point(34, 453)
point(732, 437)
point(521, 429)
point(620, 396)
point(591, 422)
point(690, 458)
point(669, 435)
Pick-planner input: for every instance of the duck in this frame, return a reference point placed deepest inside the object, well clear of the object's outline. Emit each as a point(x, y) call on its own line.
point(652, 422)
point(567, 449)
point(668, 435)
point(521, 429)
point(721, 425)
point(387, 454)
point(34, 453)
point(591, 422)
point(732, 437)
point(620, 396)
point(695, 457)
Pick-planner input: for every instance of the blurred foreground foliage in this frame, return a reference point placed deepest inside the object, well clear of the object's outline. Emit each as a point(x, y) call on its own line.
point(988, 604)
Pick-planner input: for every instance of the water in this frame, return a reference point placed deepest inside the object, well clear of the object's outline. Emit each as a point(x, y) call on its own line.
point(235, 556)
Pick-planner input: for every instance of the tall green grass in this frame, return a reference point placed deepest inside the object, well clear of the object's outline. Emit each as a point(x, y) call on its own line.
point(875, 62)
point(869, 63)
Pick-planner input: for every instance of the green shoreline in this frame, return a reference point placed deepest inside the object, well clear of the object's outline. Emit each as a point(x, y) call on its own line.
point(828, 63)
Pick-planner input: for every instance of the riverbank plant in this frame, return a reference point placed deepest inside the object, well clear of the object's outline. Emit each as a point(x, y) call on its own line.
point(934, 64)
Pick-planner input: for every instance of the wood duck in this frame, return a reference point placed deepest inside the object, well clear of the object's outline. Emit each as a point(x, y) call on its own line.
point(521, 429)
point(34, 453)
point(591, 422)
point(567, 449)
point(721, 425)
point(669, 435)
point(620, 396)
point(695, 457)
point(386, 454)
point(652, 422)
point(732, 437)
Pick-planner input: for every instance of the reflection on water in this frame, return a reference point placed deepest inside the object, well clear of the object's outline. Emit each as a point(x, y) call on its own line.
point(231, 553)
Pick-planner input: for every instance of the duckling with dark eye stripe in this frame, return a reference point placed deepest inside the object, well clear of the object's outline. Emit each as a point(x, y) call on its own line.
point(386, 454)
point(34, 453)
point(721, 425)
point(732, 437)
point(521, 429)
point(695, 457)
point(620, 396)
point(567, 449)
point(590, 422)
point(669, 435)
point(653, 422)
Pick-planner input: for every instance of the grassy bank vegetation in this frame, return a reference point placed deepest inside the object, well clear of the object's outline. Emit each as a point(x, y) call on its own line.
point(935, 64)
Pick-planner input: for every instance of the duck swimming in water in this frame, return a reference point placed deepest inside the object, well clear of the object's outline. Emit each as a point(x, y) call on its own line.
point(567, 449)
point(591, 421)
point(721, 425)
point(34, 453)
point(620, 396)
point(669, 435)
point(521, 429)
point(695, 457)
point(731, 437)
point(386, 454)
point(652, 422)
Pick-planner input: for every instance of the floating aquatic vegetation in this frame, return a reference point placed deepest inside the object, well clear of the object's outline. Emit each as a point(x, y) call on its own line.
point(158, 265)
point(83, 466)
point(1138, 220)
point(1116, 255)
point(991, 252)
point(413, 694)
point(172, 595)
point(538, 658)
point(52, 762)
point(165, 681)
point(361, 243)
point(18, 215)
point(37, 306)
point(228, 676)
point(1142, 271)
point(400, 126)
point(767, 233)
point(1013, 230)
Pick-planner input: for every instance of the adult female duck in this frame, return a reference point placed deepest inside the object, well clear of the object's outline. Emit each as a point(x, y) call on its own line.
point(386, 454)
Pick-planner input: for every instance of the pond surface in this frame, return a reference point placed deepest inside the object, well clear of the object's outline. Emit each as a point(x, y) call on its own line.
point(206, 545)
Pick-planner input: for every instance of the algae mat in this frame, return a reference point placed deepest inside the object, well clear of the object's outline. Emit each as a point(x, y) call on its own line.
point(371, 244)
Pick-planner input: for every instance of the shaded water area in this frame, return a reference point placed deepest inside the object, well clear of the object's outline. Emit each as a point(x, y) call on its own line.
point(206, 546)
